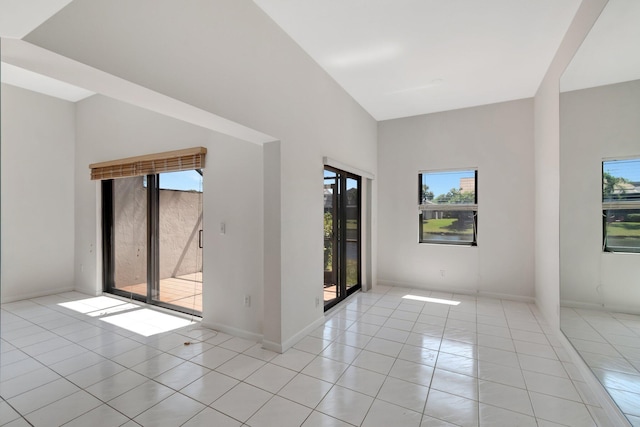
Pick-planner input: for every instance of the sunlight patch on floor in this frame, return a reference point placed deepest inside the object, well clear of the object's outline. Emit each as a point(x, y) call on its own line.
point(93, 305)
point(428, 299)
point(126, 315)
point(146, 322)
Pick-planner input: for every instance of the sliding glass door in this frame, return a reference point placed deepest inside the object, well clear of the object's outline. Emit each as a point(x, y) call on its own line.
point(152, 239)
point(342, 226)
point(180, 239)
point(125, 235)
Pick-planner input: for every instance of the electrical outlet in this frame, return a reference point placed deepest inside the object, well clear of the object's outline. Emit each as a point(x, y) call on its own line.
point(317, 302)
point(441, 273)
point(223, 228)
point(247, 300)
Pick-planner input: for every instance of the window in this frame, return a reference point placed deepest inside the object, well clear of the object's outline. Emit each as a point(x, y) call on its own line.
point(448, 207)
point(342, 235)
point(621, 205)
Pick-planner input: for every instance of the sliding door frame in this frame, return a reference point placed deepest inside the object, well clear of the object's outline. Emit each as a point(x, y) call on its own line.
point(153, 246)
point(340, 241)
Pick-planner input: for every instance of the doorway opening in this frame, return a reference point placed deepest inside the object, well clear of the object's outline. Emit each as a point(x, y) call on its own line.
point(342, 235)
point(152, 239)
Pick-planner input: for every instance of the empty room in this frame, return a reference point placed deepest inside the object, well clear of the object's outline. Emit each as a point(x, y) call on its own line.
point(320, 213)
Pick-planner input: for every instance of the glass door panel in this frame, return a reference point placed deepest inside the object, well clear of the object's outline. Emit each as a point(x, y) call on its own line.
point(331, 235)
point(352, 233)
point(129, 243)
point(152, 239)
point(180, 240)
point(341, 235)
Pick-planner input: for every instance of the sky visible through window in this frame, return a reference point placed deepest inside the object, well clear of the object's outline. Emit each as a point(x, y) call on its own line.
point(351, 183)
point(441, 182)
point(628, 169)
point(183, 181)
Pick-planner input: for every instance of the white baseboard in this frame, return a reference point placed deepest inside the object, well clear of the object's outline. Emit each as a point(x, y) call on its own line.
point(301, 334)
point(273, 346)
point(89, 291)
point(462, 291)
point(236, 332)
point(615, 308)
point(19, 297)
point(579, 304)
point(612, 411)
point(281, 348)
point(626, 309)
point(509, 297)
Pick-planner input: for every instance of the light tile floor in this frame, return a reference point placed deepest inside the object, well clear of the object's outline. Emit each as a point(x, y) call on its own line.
point(609, 343)
point(383, 358)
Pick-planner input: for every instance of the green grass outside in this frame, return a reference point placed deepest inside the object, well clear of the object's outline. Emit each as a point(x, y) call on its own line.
point(629, 229)
point(352, 272)
point(444, 226)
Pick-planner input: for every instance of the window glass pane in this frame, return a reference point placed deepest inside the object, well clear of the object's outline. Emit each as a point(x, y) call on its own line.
point(352, 232)
point(180, 240)
point(447, 226)
point(621, 205)
point(622, 230)
point(452, 187)
point(330, 235)
point(448, 207)
point(190, 180)
point(621, 180)
point(130, 235)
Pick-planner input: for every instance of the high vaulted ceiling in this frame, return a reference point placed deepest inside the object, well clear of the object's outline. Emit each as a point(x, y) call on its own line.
point(610, 52)
point(17, 19)
point(400, 58)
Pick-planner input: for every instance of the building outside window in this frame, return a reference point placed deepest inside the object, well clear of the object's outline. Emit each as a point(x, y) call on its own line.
point(448, 207)
point(621, 205)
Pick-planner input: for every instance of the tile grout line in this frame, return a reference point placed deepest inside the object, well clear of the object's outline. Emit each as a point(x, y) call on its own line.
point(450, 321)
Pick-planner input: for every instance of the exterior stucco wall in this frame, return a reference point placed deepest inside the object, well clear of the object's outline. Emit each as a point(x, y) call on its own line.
point(180, 221)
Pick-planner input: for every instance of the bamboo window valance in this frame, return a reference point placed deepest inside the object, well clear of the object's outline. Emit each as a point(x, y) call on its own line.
point(170, 161)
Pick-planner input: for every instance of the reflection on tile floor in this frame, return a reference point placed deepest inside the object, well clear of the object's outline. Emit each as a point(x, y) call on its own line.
point(609, 343)
point(392, 356)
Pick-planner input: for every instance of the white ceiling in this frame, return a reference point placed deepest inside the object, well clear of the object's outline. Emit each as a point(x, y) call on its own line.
point(26, 79)
point(610, 52)
point(24, 55)
point(400, 58)
point(17, 19)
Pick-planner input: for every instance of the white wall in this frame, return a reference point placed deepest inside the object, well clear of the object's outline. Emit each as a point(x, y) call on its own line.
point(547, 164)
point(37, 194)
point(498, 140)
point(547, 208)
point(595, 124)
point(229, 58)
point(232, 184)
